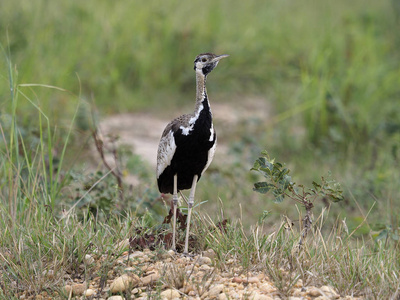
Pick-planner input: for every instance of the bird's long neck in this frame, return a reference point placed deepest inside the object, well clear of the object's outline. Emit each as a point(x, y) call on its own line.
point(201, 94)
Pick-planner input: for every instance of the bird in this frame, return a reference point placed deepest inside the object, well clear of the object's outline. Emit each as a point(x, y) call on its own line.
point(188, 144)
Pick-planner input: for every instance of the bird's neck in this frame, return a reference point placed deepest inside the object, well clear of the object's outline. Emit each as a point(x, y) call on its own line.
point(201, 93)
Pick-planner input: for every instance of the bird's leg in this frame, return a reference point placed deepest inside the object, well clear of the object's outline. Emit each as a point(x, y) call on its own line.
point(175, 204)
point(190, 205)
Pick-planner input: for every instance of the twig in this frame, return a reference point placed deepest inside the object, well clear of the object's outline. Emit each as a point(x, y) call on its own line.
point(307, 221)
point(116, 171)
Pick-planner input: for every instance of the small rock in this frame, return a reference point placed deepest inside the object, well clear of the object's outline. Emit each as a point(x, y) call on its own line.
point(234, 295)
point(137, 255)
point(209, 253)
point(265, 297)
point(150, 279)
point(267, 288)
point(123, 282)
point(246, 280)
point(297, 292)
point(329, 291)
point(115, 298)
point(222, 297)
point(168, 254)
point(253, 280)
point(170, 294)
point(257, 296)
point(299, 283)
point(296, 298)
point(75, 289)
point(204, 260)
point(314, 292)
point(261, 276)
point(237, 280)
point(205, 268)
point(88, 259)
point(216, 290)
point(88, 293)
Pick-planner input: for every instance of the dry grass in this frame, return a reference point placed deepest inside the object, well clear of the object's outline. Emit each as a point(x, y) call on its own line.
point(330, 256)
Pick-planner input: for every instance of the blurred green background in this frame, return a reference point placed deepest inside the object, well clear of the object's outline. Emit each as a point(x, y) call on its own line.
point(329, 71)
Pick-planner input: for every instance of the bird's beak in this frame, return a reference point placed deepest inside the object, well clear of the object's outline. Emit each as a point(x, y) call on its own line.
point(219, 57)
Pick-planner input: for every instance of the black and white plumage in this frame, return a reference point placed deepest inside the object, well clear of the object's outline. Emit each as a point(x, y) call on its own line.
point(188, 143)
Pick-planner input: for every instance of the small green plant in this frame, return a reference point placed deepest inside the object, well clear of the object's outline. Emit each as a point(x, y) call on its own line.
point(387, 233)
point(280, 184)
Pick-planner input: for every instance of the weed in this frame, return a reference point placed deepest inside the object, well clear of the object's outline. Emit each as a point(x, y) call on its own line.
point(281, 186)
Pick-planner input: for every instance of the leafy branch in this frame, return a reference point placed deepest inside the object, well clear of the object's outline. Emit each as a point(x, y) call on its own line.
point(280, 184)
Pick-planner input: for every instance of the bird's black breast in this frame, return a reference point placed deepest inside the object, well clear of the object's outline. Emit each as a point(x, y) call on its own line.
point(191, 154)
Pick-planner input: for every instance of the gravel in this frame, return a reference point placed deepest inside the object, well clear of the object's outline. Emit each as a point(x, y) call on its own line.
point(152, 275)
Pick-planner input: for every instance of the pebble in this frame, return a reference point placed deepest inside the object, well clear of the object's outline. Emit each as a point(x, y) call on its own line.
point(253, 280)
point(136, 257)
point(230, 283)
point(222, 297)
point(168, 254)
point(267, 288)
point(88, 293)
point(205, 268)
point(170, 294)
point(313, 292)
point(329, 291)
point(115, 298)
point(299, 283)
point(88, 259)
point(75, 289)
point(237, 280)
point(265, 297)
point(123, 282)
point(150, 279)
point(256, 296)
point(204, 260)
point(297, 292)
point(215, 290)
point(209, 253)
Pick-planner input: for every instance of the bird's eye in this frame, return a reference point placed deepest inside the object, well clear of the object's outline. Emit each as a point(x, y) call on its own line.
point(203, 59)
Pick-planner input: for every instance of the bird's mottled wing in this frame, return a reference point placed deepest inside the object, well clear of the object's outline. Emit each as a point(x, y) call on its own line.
point(167, 145)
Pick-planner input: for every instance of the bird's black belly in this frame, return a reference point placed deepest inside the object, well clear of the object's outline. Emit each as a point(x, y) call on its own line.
point(190, 158)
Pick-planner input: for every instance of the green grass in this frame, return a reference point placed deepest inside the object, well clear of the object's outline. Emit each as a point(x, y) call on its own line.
point(329, 70)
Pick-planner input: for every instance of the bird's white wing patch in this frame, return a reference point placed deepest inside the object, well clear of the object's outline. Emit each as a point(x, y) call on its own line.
point(186, 129)
point(166, 151)
point(211, 153)
point(211, 132)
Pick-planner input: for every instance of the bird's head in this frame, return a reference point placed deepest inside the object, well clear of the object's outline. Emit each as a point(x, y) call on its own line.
point(206, 62)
